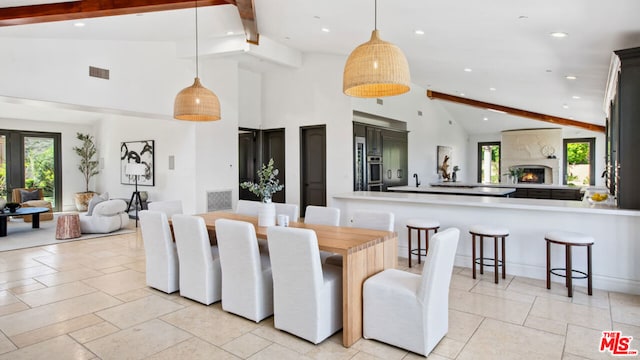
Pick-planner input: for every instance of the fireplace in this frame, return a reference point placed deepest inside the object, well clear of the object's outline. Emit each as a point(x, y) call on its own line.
point(532, 175)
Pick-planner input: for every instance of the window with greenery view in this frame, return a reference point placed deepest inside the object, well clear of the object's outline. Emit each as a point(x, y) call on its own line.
point(579, 165)
point(489, 162)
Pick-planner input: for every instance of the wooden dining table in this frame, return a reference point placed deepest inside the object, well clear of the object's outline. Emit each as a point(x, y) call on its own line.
point(364, 253)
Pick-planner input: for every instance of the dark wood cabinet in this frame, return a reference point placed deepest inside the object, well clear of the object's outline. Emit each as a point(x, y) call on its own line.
point(555, 194)
point(394, 158)
point(623, 130)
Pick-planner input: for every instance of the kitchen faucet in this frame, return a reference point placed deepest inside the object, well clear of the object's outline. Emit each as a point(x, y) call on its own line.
point(417, 181)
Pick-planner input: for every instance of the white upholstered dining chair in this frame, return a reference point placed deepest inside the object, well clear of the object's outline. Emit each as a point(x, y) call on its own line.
point(291, 210)
point(411, 311)
point(322, 215)
point(169, 207)
point(200, 276)
point(247, 207)
point(375, 220)
point(160, 251)
point(307, 295)
point(247, 285)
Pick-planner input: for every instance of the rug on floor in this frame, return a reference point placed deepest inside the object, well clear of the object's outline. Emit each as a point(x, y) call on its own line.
point(21, 235)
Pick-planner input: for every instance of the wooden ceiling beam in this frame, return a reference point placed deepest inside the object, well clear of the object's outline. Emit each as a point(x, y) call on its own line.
point(247, 11)
point(93, 8)
point(517, 112)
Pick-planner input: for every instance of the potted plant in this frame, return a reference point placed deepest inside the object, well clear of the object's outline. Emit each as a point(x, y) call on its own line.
point(267, 185)
point(88, 166)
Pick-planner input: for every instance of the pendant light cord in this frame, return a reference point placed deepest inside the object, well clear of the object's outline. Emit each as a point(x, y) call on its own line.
point(375, 15)
point(197, 65)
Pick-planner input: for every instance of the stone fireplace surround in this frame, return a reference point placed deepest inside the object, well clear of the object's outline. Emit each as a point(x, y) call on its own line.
point(530, 148)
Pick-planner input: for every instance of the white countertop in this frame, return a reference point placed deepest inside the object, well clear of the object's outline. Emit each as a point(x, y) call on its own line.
point(503, 185)
point(479, 190)
point(491, 201)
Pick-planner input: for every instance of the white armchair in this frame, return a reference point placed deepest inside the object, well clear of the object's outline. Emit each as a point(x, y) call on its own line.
point(160, 251)
point(108, 216)
point(247, 285)
point(200, 275)
point(408, 310)
point(169, 207)
point(307, 296)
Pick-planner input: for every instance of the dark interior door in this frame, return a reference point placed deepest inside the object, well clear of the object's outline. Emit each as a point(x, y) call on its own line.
point(313, 167)
point(273, 148)
point(248, 158)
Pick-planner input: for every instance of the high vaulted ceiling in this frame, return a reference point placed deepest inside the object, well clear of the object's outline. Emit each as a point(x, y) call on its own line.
point(506, 44)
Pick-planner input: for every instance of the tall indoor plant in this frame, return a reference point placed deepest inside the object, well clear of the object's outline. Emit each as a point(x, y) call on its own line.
point(88, 166)
point(268, 184)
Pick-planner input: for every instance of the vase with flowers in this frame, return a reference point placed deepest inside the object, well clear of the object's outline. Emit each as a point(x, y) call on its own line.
point(267, 185)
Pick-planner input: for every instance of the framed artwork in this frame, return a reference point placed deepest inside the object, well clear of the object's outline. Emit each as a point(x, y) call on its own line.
point(443, 166)
point(141, 152)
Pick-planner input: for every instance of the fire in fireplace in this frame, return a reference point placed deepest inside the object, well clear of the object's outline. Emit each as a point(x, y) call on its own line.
point(532, 176)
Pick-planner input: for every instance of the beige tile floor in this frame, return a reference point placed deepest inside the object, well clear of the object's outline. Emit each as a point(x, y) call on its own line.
point(88, 300)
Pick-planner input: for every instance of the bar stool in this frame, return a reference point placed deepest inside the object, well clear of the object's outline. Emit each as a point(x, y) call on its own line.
point(496, 233)
point(569, 239)
point(421, 225)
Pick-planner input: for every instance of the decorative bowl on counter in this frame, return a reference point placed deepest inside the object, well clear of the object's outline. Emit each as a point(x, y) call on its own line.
point(598, 197)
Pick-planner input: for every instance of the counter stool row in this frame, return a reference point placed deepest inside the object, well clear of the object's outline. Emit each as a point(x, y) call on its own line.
point(499, 234)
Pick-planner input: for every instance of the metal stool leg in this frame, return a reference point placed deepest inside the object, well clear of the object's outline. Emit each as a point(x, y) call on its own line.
point(569, 272)
point(504, 262)
point(473, 254)
point(495, 258)
point(589, 277)
point(409, 245)
point(481, 255)
point(419, 251)
point(548, 265)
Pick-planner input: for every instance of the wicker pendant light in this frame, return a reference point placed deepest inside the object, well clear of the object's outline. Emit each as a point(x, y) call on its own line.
point(376, 68)
point(196, 102)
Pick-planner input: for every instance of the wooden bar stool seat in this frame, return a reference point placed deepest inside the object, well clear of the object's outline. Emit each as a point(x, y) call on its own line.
point(569, 239)
point(421, 225)
point(495, 232)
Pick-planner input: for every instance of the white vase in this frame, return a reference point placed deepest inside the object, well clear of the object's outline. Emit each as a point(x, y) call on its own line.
point(267, 214)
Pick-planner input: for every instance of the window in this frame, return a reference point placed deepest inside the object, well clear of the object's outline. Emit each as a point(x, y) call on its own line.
point(31, 159)
point(489, 162)
point(579, 164)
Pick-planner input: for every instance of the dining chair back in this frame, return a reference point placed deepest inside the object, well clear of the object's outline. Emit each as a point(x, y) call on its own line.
point(247, 285)
point(411, 311)
point(291, 210)
point(247, 207)
point(375, 220)
point(169, 207)
point(161, 256)
point(322, 215)
point(307, 296)
point(200, 275)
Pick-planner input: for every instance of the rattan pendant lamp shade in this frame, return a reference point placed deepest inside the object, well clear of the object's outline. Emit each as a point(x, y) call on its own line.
point(376, 69)
point(196, 102)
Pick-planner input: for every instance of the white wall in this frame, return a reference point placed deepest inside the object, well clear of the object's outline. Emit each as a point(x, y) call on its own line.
point(72, 179)
point(250, 99)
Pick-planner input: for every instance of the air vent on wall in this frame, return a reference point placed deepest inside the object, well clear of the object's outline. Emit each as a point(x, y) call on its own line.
point(98, 72)
point(219, 200)
point(419, 112)
point(379, 101)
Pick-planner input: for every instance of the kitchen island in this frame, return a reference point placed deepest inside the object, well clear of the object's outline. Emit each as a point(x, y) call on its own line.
point(615, 230)
point(525, 190)
point(456, 190)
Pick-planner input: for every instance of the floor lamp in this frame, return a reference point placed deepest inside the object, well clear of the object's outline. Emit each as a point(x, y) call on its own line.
point(136, 170)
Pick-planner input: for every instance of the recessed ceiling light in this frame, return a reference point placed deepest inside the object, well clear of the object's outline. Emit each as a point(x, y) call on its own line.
point(325, 30)
point(492, 89)
point(78, 24)
point(565, 106)
point(461, 94)
point(485, 118)
point(559, 34)
point(576, 97)
point(570, 77)
point(229, 32)
point(467, 70)
point(497, 111)
point(419, 32)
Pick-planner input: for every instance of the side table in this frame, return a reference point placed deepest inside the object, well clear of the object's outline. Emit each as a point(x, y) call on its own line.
point(68, 227)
